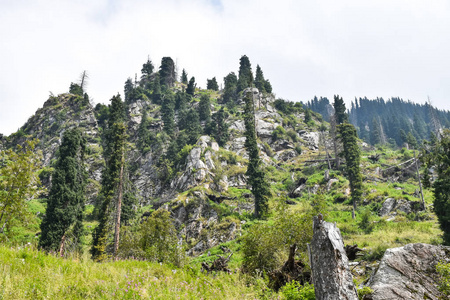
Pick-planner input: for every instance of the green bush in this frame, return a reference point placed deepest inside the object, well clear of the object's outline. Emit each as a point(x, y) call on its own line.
point(265, 247)
point(364, 291)
point(154, 239)
point(444, 281)
point(295, 291)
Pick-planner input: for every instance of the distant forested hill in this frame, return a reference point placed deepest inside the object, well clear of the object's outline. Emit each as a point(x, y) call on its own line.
point(393, 121)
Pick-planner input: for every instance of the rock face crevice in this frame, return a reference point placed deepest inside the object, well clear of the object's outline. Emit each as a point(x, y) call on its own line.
point(409, 272)
point(329, 263)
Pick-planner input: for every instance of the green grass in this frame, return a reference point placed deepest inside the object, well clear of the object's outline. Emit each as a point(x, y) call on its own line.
point(31, 274)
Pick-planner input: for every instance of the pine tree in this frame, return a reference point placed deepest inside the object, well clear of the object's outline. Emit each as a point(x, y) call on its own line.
point(67, 195)
point(219, 128)
point(260, 82)
point(128, 90)
point(339, 110)
point(192, 128)
point(229, 93)
point(167, 72)
point(112, 182)
point(147, 70)
point(351, 152)
point(184, 77)
point(168, 114)
point(156, 95)
point(255, 173)
point(204, 108)
point(190, 90)
point(211, 84)
point(439, 157)
point(245, 74)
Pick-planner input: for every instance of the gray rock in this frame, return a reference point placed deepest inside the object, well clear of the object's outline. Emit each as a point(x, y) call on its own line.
point(409, 272)
point(388, 206)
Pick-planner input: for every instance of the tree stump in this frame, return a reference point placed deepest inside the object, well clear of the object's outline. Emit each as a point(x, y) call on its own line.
point(329, 263)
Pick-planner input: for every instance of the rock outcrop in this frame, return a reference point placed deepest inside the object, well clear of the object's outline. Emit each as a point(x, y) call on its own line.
point(409, 272)
point(329, 263)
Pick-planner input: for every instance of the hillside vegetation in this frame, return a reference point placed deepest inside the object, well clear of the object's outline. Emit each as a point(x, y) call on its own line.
point(175, 158)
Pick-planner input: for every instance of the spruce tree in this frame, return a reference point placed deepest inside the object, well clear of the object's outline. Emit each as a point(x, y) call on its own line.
point(184, 77)
point(259, 79)
point(441, 159)
point(147, 70)
point(219, 128)
point(112, 182)
point(245, 74)
point(211, 84)
point(230, 89)
point(190, 90)
point(255, 172)
point(204, 108)
point(167, 72)
point(339, 110)
point(351, 152)
point(156, 94)
point(128, 90)
point(168, 114)
point(67, 195)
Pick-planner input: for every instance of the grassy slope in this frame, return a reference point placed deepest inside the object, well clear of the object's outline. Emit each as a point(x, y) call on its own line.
point(30, 274)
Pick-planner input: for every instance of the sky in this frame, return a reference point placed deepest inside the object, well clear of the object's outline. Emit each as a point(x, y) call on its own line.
point(353, 48)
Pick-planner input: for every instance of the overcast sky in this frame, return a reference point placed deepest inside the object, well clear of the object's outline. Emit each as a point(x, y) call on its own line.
point(357, 48)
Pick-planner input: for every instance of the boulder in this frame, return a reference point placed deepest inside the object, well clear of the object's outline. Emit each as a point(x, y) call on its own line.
point(409, 272)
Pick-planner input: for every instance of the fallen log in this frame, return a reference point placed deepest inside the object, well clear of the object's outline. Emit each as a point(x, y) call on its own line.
point(220, 264)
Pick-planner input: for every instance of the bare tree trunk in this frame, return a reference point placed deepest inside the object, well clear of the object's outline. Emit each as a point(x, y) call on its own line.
point(119, 210)
point(61, 245)
point(329, 263)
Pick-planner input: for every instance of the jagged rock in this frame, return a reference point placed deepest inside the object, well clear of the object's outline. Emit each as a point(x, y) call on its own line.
point(311, 139)
point(280, 145)
point(329, 263)
point(408, 272)
point(285, 155)
point(326, 175)
point(390, 206)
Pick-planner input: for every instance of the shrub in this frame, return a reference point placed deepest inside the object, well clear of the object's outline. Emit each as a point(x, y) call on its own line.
point(444, 282)
point(364, 291)
point(294, 291)
point(265, 247)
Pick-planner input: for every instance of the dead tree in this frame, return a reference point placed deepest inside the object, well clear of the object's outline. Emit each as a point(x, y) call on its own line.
point(329, 263)
point(220, 264)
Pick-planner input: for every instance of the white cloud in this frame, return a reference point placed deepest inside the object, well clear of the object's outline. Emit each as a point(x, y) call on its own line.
point(306, 48)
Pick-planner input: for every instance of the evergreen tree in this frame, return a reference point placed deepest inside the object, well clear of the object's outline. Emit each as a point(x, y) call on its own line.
point(156, 95)
point(192, 128)
point(307, 116)
point(75, 89)
point(375, 132)
point(260, 82)
point(147, 70)
point(339, 110)
point(229, 93)
point(112, 181)
point(219, 128)
point(245, 74)
point(204, 108)
point(67, 195)
point(411, 140)
point(190, 90)
point(168, 114)
point(167, 72)
point(128, 90)
point(144, 135)
point(351, 152)
point(440, 158)
point(211, 84)
point(268, 86)
point(255, 173)
point(184, 77)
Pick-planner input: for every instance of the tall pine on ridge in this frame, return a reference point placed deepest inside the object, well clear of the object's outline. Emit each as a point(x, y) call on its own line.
point(67, 195)
point(256, 176)
point(112, 181)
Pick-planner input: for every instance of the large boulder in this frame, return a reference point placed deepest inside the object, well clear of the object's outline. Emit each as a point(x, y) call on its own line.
point(409, 272)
